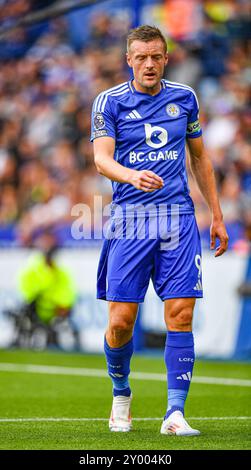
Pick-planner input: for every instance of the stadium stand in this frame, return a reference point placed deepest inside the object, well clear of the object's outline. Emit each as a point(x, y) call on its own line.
point(49, 77)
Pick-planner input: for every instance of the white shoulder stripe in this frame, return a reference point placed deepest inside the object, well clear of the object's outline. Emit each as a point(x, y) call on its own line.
point(178, 84)
point(104, 93)
point(110, 90)
point(182, 87)
point(100, 96)
point(113, 94)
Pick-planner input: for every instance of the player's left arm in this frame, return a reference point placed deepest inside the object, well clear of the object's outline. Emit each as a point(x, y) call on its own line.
point(203, 172)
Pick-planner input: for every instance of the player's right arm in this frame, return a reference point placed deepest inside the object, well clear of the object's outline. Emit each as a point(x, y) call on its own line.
point(143, 180)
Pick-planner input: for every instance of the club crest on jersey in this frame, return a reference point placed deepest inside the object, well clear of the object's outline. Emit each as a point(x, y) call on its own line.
point(99, 121)
point(173, 110)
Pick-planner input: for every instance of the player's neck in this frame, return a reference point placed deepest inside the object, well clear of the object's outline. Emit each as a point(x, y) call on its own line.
point(149, 91)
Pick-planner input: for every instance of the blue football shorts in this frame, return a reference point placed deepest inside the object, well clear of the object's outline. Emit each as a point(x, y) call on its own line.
point(170, 257)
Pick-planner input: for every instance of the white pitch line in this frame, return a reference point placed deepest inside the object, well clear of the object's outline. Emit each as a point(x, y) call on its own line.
point(56, 420)
point(83, 372)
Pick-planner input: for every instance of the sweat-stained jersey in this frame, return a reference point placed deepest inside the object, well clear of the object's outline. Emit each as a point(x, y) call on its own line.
point(150, 134)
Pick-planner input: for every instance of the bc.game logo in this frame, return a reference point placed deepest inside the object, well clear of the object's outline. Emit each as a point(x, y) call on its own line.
point(156, 136)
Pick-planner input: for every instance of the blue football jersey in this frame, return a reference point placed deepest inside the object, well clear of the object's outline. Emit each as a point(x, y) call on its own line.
point(150, 134)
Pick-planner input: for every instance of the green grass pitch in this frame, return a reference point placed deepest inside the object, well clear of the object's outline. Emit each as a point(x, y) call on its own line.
point(37, 396)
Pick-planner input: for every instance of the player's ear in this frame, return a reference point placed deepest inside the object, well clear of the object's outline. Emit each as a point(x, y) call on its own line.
point(166, 58)
point(128, 58)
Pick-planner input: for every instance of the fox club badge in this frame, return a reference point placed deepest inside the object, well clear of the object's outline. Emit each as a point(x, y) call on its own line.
point(173, 110)
point(99, 121)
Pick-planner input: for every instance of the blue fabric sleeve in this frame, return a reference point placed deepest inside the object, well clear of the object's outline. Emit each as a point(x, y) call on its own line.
point(193, 124)
point(103, 121)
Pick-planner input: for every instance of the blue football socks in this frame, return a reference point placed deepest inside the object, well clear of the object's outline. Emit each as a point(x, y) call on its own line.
point(118, 364)
point(179, 359)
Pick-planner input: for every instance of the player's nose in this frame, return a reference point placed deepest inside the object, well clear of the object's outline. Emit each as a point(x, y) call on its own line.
point(149, 63)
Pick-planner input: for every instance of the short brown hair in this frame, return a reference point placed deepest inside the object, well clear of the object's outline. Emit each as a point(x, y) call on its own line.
point(145, 33)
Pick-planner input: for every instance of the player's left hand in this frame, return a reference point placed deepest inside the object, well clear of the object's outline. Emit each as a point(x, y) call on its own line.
point(218, 230)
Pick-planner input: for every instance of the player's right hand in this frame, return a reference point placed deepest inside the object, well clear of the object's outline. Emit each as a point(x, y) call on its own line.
point(146, 181)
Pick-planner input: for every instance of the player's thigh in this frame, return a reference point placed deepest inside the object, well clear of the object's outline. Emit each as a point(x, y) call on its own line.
point(122, 315)
point(178, 313)
point(129, 267)
point(177, 267)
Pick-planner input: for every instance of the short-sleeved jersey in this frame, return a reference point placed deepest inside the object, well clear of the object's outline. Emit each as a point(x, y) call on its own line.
point(150, 134)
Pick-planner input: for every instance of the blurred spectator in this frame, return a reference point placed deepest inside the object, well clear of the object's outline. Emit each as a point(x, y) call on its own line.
point(48, 291)
point(47, 88)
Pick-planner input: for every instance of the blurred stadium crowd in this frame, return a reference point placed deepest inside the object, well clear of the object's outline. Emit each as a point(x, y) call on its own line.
point(48, 82)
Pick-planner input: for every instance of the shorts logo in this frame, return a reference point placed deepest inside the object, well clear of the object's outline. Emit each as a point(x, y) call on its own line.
point(197, 261)
point(173, 110)
point(99, 121)
point(156, 136)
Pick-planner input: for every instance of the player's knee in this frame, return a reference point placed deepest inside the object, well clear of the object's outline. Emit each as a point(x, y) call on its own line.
point(180, 319)
point(120, 326)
